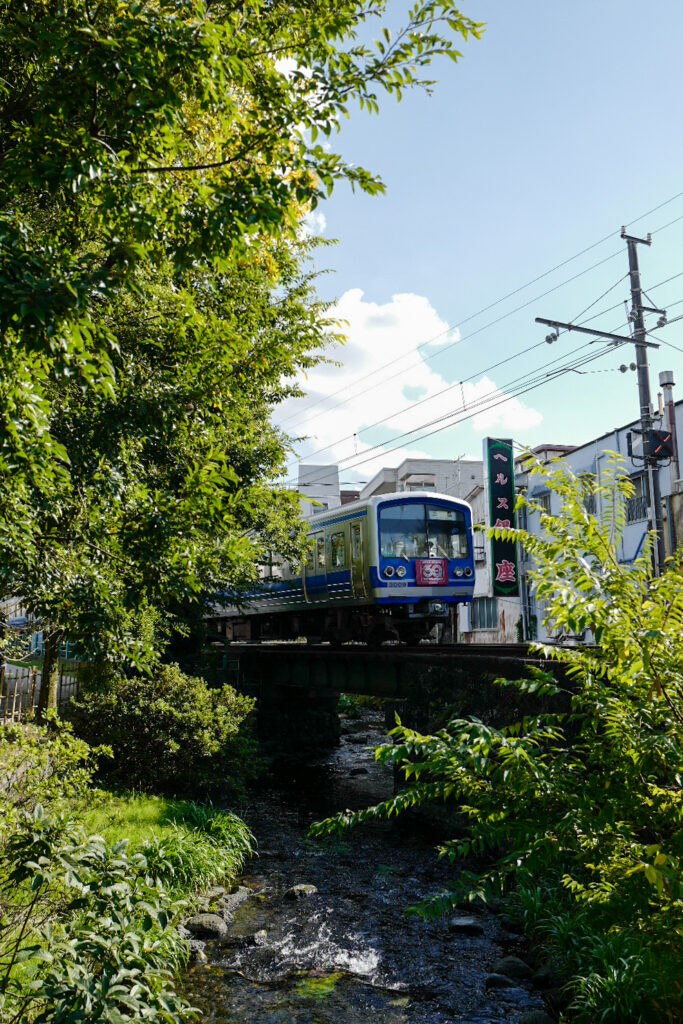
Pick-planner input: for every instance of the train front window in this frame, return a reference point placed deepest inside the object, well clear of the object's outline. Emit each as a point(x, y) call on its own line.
point(423, 531)
point(447, 532)
point(402, 532)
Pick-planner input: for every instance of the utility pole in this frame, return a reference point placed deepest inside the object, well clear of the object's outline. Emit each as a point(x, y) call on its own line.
point(651, 465)
point(639, 335)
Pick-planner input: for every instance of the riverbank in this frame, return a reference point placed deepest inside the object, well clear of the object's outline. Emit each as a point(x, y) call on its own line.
point(93, 885)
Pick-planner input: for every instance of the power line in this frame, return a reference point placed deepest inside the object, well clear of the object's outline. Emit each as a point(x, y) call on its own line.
point(563, 263)
point(462, 418)
point(490, 368)
point(303, 413)
point(525, 383)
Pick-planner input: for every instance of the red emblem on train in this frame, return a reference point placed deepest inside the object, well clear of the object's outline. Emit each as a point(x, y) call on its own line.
point(432, 572)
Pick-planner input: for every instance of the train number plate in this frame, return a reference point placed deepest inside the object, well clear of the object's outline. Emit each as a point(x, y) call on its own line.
point(432, 572)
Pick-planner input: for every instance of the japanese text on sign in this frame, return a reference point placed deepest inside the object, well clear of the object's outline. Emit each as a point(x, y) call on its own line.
point(500, 466)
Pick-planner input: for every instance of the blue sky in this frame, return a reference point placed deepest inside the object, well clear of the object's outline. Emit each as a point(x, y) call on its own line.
point(559, 126)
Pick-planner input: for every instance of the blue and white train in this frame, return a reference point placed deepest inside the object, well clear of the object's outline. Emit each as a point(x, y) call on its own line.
point(387, 568)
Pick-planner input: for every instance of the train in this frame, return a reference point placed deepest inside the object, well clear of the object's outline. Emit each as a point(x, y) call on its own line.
point(388, 568)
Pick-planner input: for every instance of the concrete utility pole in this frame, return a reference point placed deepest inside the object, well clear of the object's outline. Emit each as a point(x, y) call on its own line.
point(650, 463)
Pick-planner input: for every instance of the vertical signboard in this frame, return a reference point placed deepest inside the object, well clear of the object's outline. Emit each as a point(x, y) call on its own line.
point(501, 478)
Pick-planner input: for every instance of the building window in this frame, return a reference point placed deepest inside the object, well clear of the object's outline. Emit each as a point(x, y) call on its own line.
point(543, 500)
point(337, 550)
point(484, 613)
point(636, 507)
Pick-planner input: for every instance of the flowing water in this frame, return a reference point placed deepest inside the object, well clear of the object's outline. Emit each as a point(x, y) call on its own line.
point(346, 954)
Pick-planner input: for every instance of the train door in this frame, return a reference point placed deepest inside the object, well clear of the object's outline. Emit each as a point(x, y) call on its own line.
point(358, 579)
point(316, 579)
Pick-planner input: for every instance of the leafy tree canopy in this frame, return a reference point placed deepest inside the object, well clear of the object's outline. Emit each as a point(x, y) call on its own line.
point(156, 159)
point(172, 130)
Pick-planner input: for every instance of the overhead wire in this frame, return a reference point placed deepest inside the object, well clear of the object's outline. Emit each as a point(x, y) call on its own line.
point(415, 350)
point(352, 462)
point(473, 409)
point(303, 413)
point(492, 367)
point(525, 383)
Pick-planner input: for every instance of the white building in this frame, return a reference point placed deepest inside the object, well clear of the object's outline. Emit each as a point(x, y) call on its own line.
point(456, 477)
point(591, 459)
point(319, 489)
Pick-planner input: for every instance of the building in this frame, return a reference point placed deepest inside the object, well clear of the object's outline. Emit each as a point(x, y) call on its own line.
point(319, 489)
point(495, 619)
point(456, 477)
point(590, 459)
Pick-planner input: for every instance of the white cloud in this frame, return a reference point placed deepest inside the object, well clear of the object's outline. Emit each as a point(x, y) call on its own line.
point(382, 349)
point(314, 223)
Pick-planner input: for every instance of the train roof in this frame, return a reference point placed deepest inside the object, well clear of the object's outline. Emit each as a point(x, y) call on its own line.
point(320, 518)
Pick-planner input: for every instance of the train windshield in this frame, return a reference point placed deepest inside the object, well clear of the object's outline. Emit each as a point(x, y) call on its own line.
point(423, 531)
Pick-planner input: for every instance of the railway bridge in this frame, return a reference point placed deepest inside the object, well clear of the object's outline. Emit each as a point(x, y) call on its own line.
point(298, 685)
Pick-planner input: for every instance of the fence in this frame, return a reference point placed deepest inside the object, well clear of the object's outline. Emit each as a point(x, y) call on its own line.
point(20, 690)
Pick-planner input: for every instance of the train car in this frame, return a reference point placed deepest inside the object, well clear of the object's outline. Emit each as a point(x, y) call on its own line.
point(388, 568)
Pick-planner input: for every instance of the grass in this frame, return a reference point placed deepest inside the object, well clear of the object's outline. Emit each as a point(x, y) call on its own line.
point(189, 846)
point(134, 816)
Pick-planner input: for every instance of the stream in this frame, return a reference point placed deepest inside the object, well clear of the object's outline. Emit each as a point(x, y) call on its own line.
point(344, 953)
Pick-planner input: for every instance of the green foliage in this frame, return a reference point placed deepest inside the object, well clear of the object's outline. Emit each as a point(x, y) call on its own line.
point(578, 815)
point(349, 705)
point(165, 486)
point(85, 932)
point(40, 766)
point(157, 159)
point(170, 733)
point(203, 847)
point(199, 844)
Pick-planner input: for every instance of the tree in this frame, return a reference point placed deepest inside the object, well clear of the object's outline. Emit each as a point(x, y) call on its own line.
point(167, 498)
point(165, 131)
point(575, 815)
point(156, 160)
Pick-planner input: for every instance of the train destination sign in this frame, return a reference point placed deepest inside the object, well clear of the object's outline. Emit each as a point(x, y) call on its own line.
point(501, 473)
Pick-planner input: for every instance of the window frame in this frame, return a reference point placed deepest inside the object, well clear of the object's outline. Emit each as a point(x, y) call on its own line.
point(489, 606)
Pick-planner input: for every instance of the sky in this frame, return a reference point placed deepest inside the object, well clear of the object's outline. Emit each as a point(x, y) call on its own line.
point(506, 192)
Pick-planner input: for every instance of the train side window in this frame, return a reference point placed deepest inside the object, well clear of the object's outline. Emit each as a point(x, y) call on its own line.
point(320, 553)
point(355, 542)
point(337, 550)
point(309, 559)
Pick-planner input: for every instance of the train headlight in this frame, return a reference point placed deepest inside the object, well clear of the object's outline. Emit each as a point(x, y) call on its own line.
point(389, 571)
point(401, 571)
point(458, 573)
point(468, 572)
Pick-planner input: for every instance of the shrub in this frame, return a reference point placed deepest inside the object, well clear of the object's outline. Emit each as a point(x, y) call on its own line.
point(85, 933)
point(45, 765)
point(578, 817)
point(169, 733)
